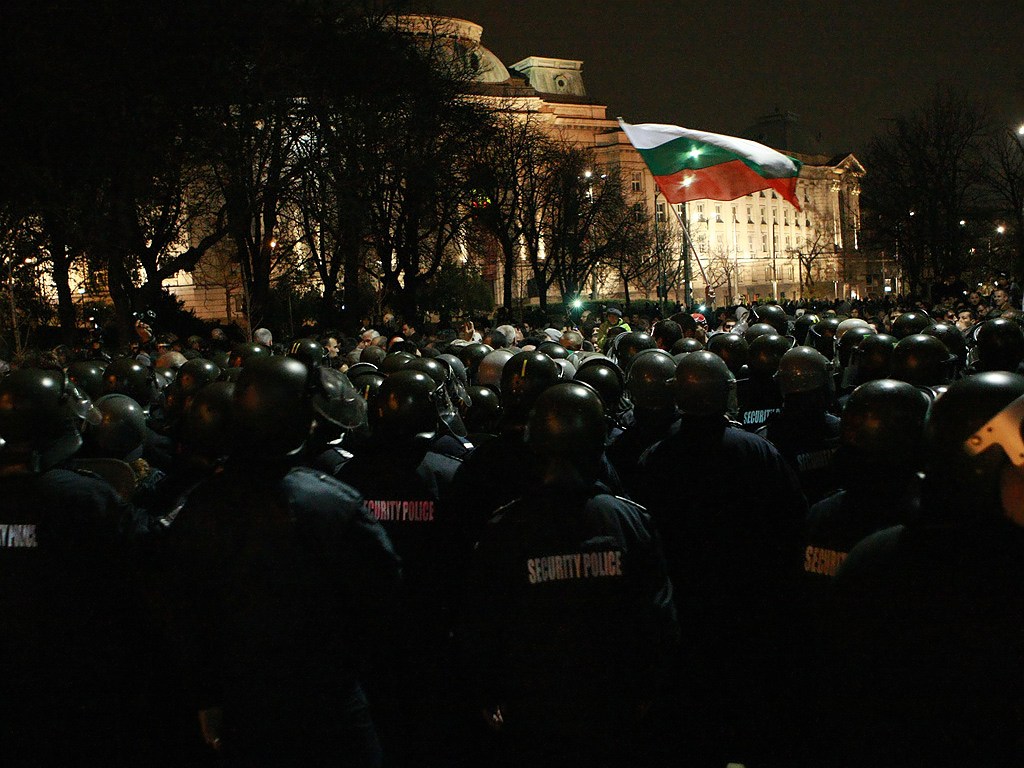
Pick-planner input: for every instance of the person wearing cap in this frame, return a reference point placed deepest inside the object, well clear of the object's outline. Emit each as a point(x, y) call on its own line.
point(612, 319)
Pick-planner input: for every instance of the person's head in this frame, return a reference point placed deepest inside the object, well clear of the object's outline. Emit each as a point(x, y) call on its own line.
point(974, 298)
point(666, 333)
point(1000, 298)
point(331, 347)
point(566, 431)
point(572, 340)
point(613, 316)
point(964, 319)
point(264, 336)
point(408, 329)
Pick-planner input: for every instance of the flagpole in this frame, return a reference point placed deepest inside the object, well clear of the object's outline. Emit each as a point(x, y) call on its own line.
point(687, 269)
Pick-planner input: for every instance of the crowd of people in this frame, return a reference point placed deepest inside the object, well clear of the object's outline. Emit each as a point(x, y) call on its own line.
point(771, 535)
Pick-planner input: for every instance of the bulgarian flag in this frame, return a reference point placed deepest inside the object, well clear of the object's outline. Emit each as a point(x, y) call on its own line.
point(695, 165)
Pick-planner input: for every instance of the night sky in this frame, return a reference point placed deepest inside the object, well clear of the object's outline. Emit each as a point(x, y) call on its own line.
point(843, 67)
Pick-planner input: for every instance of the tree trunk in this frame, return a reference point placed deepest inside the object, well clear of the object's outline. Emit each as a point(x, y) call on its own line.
point(509, 252)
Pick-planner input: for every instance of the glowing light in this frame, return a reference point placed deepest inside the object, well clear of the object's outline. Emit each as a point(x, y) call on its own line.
point(1001, 229)
point(587, 174)
point(577, 304)
point(688, 181)
point(695, 152)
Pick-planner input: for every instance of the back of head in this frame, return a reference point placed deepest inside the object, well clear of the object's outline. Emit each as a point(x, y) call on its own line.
point(483, 413)
point(272, 413)
point(883, 426)
point(651, 379)
point(666, 333)
point(40, 412)
point(490, 369)
point(766, 353)
point(566, 429)
point(628, 345)
point(704, 385)
point(554, 350)
point(121, 432)
point(686, 345)
point(606, 378)
point(910, 323)
point(523, 378)
point(969, 432)
point(1000, 345)
point(308, 351)
point(405, 406)
point(373, 355)
point(803, 370)
point(732, 348)
point(922, 360)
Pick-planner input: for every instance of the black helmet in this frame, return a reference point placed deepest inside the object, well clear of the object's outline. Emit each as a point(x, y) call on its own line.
point(121, 433)
point(650, 380)
point(490, 368)
point(922, 360)
point(766, 352)
point(127, 377)
point(757, 330)
point(704, 385)
point(685, 345)
point(523, 378)
point(220, 358)
point(972, 434)
point(872, 358)
point(242, 354)
point(850, 340)
point(433, 368)
point(457, 367)
point(773, 315)
point(1000, 345)
point(271, 415)
point(192, 377)
point(230, 374)
point(910, 323)
point(822, 336)
point(626, 346)
point(308, 351)
point(170, 362)
point(484, 411)
point(40, 415)
point(405, 405)
point(606, 378)
point(372, 354)
point(367, 384)
point(850, 324)
point(359, 369)
point(395, 361)
point(336, 401)
point(883, 424)
point(803, 370)
point(206, 429)
point(88, 377)
point(732, 348)
point(471, 355)
point(802, 325)
point(554, 350)
point(951, 336)
point(567, 422)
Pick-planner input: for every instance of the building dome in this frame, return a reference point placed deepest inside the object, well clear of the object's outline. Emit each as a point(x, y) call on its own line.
point(783, 131)
point(463, 38)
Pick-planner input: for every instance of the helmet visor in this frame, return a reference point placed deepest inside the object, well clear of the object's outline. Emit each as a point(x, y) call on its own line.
point(1004, 430)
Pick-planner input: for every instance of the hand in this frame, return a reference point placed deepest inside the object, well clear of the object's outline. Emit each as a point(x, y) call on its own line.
point(211, 723)
point(493, 717)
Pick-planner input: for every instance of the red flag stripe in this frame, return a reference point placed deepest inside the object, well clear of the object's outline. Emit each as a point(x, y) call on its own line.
point(725, 181)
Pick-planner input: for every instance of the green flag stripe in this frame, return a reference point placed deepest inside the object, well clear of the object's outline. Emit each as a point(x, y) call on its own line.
point(687, 154)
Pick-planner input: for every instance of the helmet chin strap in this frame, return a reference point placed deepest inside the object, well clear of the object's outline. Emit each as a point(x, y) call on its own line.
point(1004, 430)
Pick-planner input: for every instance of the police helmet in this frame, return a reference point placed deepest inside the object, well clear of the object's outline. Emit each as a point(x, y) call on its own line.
point(802, 370)
point(922, 360)
point(952, 337)
point(849, 324)
point(170, 361)
point(766, 352)
point(127, 377)
point(121, 432)
point(272, 415)
point(483, 413)
point(850, 340)
point(433, 368)
point(367, 384)
point(471, 355)
point(822, 336)
point(627, 345)
point(245, 352)
point(40, 415)
point(686, 345)
point(553, 349)
point(566, 370)
point(192, 376)
point(458, 368)
point(773, 315)
point(732, 348)
point(405, 406)
point(606, 378)
point(395, 361)
point(372, 354)
point(490, 369)
point(910, 323)
point(883, 423)
point(650, 380)
point(1000, 345)
point(567, 422)
point(308, 351)
point(88, 377)
point(704, 385)
point(972, 434)
point(360, 369)
point(757, 330)
point(335, 399)
point(802, 325)
point(206, 431)
point(523, 378)
point(872, 358)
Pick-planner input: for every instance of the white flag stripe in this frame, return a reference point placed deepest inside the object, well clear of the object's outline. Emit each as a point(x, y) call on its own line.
point(653, 135)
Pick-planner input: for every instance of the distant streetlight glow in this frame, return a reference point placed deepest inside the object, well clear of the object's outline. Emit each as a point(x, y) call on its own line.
point(1001, 229)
